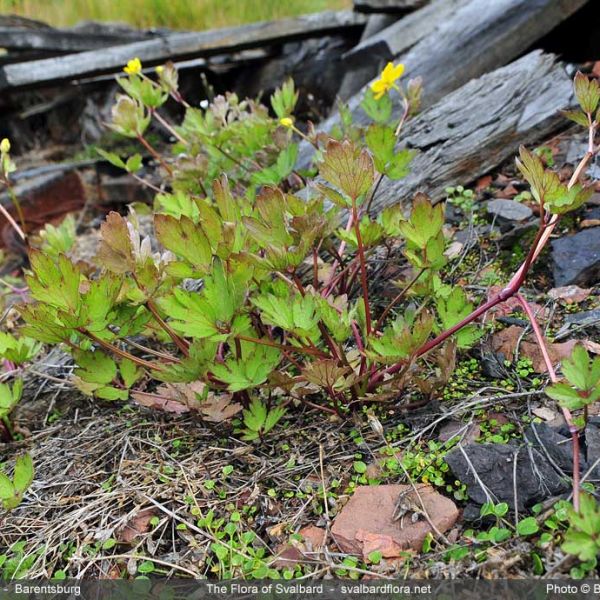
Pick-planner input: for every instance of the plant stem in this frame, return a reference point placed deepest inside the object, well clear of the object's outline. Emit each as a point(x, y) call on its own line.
point(397, 299)
point(179, 342)
point(122, 353)
point(20, 230)
point(167, 126)
point(283, 347)
point(155, 154)
point(156, 353)
point(363, 267)
point(146, 183)
point(566, 412)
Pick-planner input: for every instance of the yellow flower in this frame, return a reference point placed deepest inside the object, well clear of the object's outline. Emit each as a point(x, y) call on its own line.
point(159, 69)
point(5, 146)
point(387, 80)
point(286, 121)
point(133, 67)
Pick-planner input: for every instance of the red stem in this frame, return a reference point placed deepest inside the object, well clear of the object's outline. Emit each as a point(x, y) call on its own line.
point(566, 412)
point(363, 267)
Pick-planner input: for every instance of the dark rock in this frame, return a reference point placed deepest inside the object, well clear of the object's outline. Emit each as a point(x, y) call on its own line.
point(472, 514)
point(576, 258)
point(586, 317)
point(553, 445)
point(466, 432)
point(470, 235)
point(492, 465)
point(509, 210)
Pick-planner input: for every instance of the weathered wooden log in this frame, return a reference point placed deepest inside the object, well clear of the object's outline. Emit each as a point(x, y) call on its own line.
point(63, 40)
point(481, 36)
point(177, 46)
point(478, 37)
point(403, 34)
point(388, 6)
point(357, 75)
point(477, 127)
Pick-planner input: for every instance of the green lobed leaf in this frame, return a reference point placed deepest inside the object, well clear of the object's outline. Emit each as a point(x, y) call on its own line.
point(184, 238)
point(348, 168)
point(587, 92)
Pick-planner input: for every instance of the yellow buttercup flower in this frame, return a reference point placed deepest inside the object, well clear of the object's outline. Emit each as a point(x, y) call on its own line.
point(387, 80)
point(159, 69)
point(5, 146)
point(133, 67)
point(286, 121)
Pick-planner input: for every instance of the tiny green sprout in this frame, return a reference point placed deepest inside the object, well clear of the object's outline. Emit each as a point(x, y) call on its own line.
point(360, 467)
point(146, 567)
point(527, 526)
point(109, 543)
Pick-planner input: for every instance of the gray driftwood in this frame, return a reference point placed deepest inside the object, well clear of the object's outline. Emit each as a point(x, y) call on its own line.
point(388, 6)
point(480, 125)
point(178, 46)
point(63, 40)
point(479, 36)
point(357, 75)
point(403, 34)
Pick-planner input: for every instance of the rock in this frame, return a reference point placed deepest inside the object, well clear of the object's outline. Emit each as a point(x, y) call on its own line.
point(576, 258)
point(509, 211)
point(570, 293)
point(467, 432)
point(545, 413)
point(592, 442)
point(511, 339)
point(555, 447)
point(368, 519)
point(290, 554)
point(313, 536)
point(586, 317)
point(494, 468)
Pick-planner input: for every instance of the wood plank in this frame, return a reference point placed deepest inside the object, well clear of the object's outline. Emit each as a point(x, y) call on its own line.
point(63, 40)
point(177, 46)
point(388, 6)
point(478, 37)
point(477, 127)
point(358, 75)
point(402, 35)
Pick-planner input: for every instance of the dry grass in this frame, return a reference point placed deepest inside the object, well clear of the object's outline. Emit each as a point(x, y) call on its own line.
point(176, 14)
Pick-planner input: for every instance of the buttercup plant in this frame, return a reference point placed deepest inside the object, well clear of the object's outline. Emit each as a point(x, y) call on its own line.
point(261, 282)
